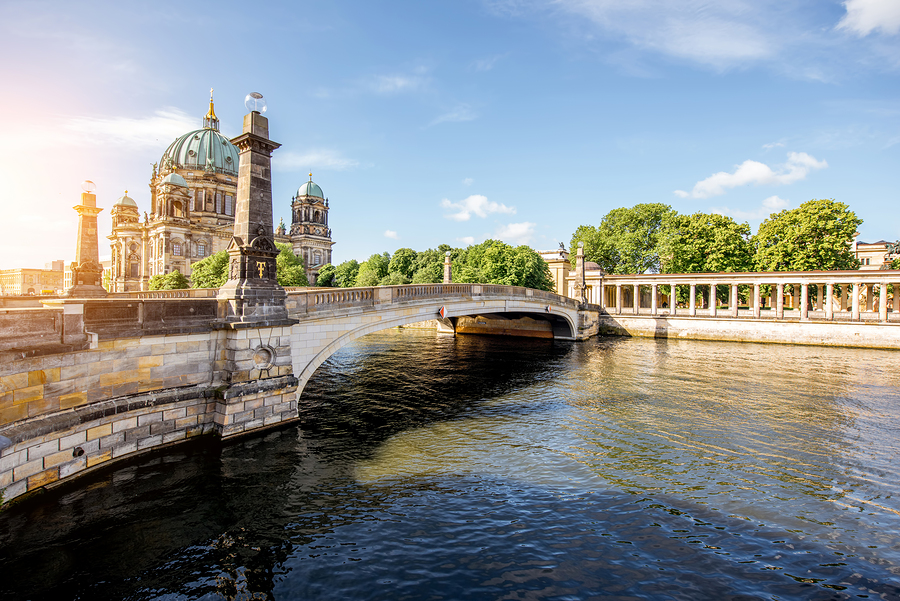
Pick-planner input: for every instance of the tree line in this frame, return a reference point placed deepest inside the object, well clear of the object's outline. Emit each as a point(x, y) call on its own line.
point(653, 238)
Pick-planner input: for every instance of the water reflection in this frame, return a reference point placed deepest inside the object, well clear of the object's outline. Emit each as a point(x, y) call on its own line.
point(484, 468)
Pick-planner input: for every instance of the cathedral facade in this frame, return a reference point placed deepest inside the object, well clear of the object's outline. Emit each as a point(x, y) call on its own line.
point(192, 205)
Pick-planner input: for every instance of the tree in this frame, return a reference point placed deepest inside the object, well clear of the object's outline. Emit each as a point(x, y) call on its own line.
point(495, 262)
point(325, 278)
point(814, 236)
point(170, 281)
point(345, 273)
point(210, 272)
point(428, 268)
point(393, 279)
point(626, 241)
point(704, 243)
point(403, 262)
point(373, 270)
point(289, 268)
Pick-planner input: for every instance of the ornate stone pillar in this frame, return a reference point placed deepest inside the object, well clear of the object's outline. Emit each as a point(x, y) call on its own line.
point(693, 303)
point(448, 268)
point(87, 273)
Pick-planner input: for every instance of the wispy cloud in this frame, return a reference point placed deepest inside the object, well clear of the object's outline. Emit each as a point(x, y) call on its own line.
point(396, 83)
point(797, 167)
point(163, 126)
point(865, 16)
point(321, 159)
point(391, 234)
point(467, 240)
point(476, 204)
point(462, 112)
point(769, 206)
point(773, 145)
point(516, 233)
point(468, 181)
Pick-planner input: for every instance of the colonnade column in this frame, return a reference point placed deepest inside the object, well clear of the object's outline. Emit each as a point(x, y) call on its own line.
point(829, 303)
point(618, 299)
point(844, 296)
point(870, 296)
point(820, 292)
point(804, 302)
point(636, 305)
point(756, 299)
point(713, 301)
point(693, 304)
point(735, 302)
point(779, 301)
point(882, 301)
point(602, 299)
point(673, 300)
point(653, 299)
point(854, 311)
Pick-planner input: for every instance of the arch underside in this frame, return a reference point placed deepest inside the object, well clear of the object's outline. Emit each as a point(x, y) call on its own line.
point(563, 328)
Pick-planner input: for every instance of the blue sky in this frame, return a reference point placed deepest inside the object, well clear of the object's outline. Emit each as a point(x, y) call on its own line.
point(430, 122)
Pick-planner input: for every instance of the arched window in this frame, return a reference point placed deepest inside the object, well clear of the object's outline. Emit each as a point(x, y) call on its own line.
point(316, 217)
point(177, 209)
point(201, 249)
point(176, 249)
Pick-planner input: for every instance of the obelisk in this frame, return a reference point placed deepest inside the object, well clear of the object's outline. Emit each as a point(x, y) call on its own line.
point(252, 294)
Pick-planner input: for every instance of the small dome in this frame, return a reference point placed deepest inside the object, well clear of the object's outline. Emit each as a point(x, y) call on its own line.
point(126, 201)
point(310, 188)
point(591, 266)
point(175, 180)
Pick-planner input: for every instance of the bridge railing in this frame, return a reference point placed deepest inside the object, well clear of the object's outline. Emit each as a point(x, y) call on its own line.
point(312, 300)
point(154, 294)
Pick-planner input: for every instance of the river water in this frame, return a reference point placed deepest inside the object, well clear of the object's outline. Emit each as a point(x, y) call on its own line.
point(431, 467)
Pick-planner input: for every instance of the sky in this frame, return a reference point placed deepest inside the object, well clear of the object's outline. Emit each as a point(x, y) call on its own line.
point(460, 120)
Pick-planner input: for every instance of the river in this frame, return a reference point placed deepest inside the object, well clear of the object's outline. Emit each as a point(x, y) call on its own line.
point(432, 467)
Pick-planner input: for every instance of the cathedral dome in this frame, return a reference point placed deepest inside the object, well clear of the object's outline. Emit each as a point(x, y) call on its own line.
point(175, 180)
point(126, 201)
point(310, 188)
point(203, 149)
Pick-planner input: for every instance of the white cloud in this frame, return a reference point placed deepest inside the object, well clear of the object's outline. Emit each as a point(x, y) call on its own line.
point(865, 16)
point(391, 234)
point(468, 181)
point(162, 127)
point(770, 205)
point(797, 167)
point(477, 204)
point(773, 145)
point(462, 112)
point(467, 240)
point(516, 233)
point(322, 159)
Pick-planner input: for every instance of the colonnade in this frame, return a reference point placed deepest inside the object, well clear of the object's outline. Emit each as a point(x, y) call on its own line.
point(837, 295)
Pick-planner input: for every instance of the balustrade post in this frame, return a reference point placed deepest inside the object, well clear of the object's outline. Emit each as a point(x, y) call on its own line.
point(882, 301)
point(693, 305)
point(804, 302)
point(673, 300)
point(854, 311)
point(653, 299)
point(756, 300)
point(829, 302)
point(735, 301)
point(779, 301)
point(618, 299)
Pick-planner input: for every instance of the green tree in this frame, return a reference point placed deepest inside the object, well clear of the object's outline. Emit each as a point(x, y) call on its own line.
point(171, 281)
point(373, 269)
point(394, 279)
point(428, 268)
point(626, 241)
point(289, 268)
point(704, 243)
point(495, 262)
point(814, 236)
point(403, 262)
point(345, 273)
point(210, 272)
point(325, 277)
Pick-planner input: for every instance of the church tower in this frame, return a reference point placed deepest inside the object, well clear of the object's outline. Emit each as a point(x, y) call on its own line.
point(310, 234)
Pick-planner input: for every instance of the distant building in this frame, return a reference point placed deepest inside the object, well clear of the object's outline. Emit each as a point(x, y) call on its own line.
point(872, 255)
point(193, 193)
point(24, 281)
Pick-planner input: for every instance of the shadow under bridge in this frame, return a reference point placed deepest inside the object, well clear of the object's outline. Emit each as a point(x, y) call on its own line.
point(330, 318)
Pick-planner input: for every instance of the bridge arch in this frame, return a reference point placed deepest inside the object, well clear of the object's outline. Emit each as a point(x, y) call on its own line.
point(331, 319)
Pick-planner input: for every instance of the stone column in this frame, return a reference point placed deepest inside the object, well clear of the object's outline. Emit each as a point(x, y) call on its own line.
point(653, 299)
point(735, 301)
point(252, 293)
point(713, 301)
point(448, 268)
point(693, 304)
point(673, 300)
point(829, 301)
point(854, 311)
point(756, 300)
point(618, 299)
point(636, 309)
point(602, 299)
point(870, 296)
point(87, 273)
point(804, 302)
point(779, 301)
point(882, 301)
point(820, 293)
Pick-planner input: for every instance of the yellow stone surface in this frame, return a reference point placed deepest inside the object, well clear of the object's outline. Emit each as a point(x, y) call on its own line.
point(76, 399)
point(43, 478)
point(95, 459)
point(28, 394)
point(99, 431)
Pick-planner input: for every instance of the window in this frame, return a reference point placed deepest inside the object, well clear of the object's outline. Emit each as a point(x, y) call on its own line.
point(176, 249)
point(201, 250)
point(218, 202)
point(135, 270)
point(229, 207)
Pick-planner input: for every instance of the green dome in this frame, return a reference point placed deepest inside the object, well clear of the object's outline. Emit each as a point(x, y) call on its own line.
point(125, 201)
point(175, 180)
point(204, 150)
point(310, 188)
